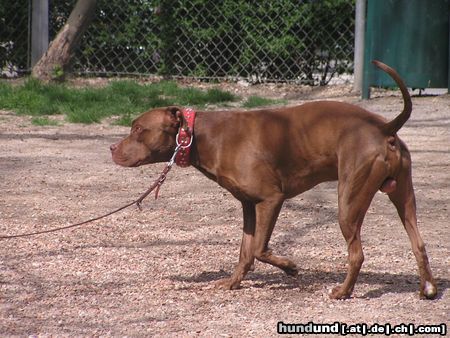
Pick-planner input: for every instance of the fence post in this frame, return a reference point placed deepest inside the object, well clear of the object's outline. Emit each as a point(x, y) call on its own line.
point(39, 30)
point(360, 28)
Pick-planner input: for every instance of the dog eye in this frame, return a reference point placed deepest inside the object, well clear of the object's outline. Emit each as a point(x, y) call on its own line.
point(136, 129)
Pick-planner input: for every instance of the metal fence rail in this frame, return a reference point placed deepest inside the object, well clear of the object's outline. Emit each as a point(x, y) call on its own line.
point(302, 41)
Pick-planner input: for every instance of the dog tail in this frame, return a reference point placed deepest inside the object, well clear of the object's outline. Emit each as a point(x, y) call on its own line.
point(394, 126)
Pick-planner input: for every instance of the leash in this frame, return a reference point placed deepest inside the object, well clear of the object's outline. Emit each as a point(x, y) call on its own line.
point(180, 157)
point(156, 185)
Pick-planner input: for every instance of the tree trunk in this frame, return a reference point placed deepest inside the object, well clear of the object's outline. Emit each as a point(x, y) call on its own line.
point(56, 62)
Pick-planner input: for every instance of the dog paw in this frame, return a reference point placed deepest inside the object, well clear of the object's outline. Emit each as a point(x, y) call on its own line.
point(227, 284)
point(291, 271)
point(339, 293)
point(429, 291)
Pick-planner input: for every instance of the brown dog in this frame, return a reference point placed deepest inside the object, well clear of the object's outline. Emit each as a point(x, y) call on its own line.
point(264, 157)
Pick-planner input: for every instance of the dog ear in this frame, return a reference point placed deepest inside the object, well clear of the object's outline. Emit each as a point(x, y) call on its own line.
point(177, 117)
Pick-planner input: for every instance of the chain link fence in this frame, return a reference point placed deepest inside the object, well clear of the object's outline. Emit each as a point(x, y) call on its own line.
point(301, 41)
point(15, 22)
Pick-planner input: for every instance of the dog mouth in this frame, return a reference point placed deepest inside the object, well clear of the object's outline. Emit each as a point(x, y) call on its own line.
point(128, 163)
point(124, 161)
point(137, 164)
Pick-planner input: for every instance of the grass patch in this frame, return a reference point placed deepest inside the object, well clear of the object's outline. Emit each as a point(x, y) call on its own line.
point(43, 121)
point(90, 105)
point(125, 120)
point(257, 101)
point(122, 98)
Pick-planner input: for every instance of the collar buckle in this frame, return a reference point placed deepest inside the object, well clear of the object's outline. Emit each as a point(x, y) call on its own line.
point(184, 138)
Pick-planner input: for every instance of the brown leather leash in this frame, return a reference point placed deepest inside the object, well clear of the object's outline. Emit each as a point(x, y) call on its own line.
point(156, 185)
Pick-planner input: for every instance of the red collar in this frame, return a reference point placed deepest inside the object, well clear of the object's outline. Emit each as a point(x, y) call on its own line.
point(184, 138)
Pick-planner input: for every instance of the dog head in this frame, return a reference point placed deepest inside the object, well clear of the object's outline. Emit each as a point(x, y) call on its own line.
point(151, 139)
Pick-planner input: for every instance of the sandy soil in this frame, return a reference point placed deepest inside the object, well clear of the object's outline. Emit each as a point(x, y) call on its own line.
point(151, 273)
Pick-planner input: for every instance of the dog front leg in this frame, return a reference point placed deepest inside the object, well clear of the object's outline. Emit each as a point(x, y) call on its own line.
point(246, 256)
point(267, 213)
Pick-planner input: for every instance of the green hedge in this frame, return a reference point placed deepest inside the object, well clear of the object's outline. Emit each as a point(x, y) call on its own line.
point(301, 40)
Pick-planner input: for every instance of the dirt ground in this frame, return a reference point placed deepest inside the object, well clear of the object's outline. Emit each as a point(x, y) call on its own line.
point(151, 273)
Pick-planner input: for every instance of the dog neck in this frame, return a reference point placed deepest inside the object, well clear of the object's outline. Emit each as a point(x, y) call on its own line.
point(207, 141)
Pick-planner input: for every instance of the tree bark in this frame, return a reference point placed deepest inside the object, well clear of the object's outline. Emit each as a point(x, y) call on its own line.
point(56, 62)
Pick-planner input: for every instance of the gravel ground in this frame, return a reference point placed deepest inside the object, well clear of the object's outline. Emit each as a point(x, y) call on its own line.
point(151, 273)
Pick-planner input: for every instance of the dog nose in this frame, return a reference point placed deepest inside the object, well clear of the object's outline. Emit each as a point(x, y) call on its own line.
point(113, 147)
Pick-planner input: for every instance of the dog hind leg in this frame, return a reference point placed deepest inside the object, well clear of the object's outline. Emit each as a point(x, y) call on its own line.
point(356, 189)
point(404, 200)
